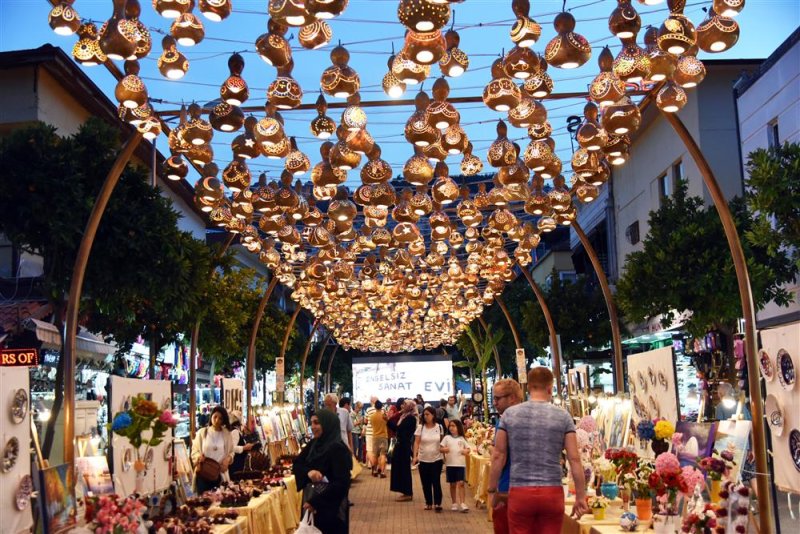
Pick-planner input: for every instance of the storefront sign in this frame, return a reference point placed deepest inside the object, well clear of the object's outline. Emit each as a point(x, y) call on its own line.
point(522, 371)
point(19, 357)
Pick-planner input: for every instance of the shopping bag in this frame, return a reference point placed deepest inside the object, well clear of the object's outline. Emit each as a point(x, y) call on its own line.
point(307, 525)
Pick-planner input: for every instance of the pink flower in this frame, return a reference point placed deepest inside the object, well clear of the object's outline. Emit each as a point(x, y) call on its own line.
point(693, 478)
point(168, 418)
point(667, 462)
point(588, 424)
point(677, 439)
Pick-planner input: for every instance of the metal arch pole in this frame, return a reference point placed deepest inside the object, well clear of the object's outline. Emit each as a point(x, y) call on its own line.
point(316, 373)
point(616, 338)
point(551, 327)
point(494, 349)
point(512, 326)
point(76, 287)
point(251, 349)
point(193, 352)
point(328, 381)
point(286, 343)
point(305, 359)
point(765, 509)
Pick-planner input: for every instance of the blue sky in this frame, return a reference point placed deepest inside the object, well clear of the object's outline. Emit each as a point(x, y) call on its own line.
point(372, 27)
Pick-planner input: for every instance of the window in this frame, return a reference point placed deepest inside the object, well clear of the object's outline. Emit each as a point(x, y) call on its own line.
point(632, 233)
point(8, 258)
point(677, 174)
point(664, 188)
point(773, 139)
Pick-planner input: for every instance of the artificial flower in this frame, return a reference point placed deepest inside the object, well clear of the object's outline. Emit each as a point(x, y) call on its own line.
point(667, 461)
point(121, 421)
point(664, 429)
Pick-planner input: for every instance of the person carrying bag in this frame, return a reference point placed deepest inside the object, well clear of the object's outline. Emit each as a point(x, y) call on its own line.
point(212, 452)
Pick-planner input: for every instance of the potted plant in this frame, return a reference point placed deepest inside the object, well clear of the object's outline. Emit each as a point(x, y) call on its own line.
point(638, 483)
point(668, 482)
point(598, 506)
point(662, 430)
point(606, 469)
point(714, 468)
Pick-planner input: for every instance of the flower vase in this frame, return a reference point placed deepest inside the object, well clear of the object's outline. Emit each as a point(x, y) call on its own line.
point(599, 513)
point(714, 489)
point(139, 467)
point(609, 490)
point(659, 446)
point(644, 509)
point(625, 495)
point(665, 524)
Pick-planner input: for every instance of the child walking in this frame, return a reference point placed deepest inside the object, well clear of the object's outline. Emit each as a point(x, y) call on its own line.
point(456, 449)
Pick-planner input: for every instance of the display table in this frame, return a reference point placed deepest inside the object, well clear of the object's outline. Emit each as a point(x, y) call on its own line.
point(275, 512)
point(614, 529)
point(239, 527)
point(587, 523)
point(478, 476)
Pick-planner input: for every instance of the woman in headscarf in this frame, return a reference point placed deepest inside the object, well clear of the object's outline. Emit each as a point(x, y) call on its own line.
point(405, 427)
point(322, 470)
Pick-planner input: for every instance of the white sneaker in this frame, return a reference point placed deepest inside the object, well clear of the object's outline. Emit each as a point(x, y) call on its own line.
point(454, 507)
point(464, 508)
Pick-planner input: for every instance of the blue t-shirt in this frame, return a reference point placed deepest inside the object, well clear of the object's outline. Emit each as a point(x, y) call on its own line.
point(505, 476)
point(536, 433)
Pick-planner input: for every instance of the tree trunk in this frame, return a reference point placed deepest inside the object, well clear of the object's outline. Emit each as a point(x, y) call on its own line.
point(484, 386)
point(58, 402)
point(153, 352)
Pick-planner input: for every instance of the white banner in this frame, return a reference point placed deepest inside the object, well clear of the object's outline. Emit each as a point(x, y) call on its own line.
point(233, 394)
point(393, 379)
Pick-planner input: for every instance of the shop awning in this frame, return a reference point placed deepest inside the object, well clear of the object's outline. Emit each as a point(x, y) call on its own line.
point(87, 344)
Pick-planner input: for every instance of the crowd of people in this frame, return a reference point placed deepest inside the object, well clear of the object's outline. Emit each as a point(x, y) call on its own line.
point(527, 464)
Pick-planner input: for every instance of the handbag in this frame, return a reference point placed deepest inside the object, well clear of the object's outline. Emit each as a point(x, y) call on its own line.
point(390, 452)
point(210, 470)
point(307, 525)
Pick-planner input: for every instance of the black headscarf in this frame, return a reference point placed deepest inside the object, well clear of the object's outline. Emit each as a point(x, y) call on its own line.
point(319, 447)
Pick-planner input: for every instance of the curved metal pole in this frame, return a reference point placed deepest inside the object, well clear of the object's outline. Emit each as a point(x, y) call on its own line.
point(499, 367)
point(76, 287)
point(328, 381)
point(765, 510)
point(193, 351)
point(316, 373)
point(305, 359)
point(286, 341)
point(551, 327)
point(616, 339)
point(251, 349)
point(513, 327)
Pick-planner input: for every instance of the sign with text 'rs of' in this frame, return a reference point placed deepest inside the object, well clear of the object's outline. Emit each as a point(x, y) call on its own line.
point(19, 357)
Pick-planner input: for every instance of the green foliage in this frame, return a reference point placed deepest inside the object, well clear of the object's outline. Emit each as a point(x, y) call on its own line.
point(686, 266)
point(773, 196)
point(143, 417)
point(516, 296)
point(579, 313)
point(470, 344)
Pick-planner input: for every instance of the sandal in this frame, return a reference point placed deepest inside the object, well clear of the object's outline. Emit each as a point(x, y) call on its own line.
point(438, 509)
point(428, 507)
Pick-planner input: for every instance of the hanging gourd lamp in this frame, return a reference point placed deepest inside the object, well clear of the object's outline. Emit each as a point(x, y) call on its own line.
point(296, 162)
point(172, 9)
point(585, 162)
point(353, 117)
point(341, 156)
point(424, 48)
point(441, 113)
point(342, 209)
point(226, 118)
point(728, 8)
point(616, 152)
point(340, 80)
point(418, 131)
point(383, 195)
point(417, 170)
point(521, 63)
point(444, 190)
point(87, 50)
point(408, 71)
point(525, 31)
point(501, 94)
point(326, 9)
point(586, 193)
point(567, 217)
point(63, 18)
point(277, 150)
point(540, 130)
point(236, 175)
point(215, 10)
point(322, 126)
point(197, 131)
point(175, 168)
point(172, 64)
point(150, 128)
point(671, 97)
point(360, 141)
point(435, 152)
point(502, 151)
point(287, 198)
point(234, 89)
point(538, 201)
point(527, 112)
point(536, 154)
point(540, 85)
point(118, 36)
point(689, 70)
point(187, 29)
point(269, 130)
point(422, 15)
point(632, 64)
point(200, 154)
point(245, 145)
point(455, 62)
point(622, 117)
point(470, 164)
point(420, 202)
point(315, 35)
point(376, 170)
point(392, 85)
point(546, 224)
point(662, 64)
point(590, 134)
point(130, 90)
point(717, 33)
point(273, 47)
point(469, 214)
point(323, 174)
point(209, 187)
point(440, 230)
point(677, 33)
point(567, 50)
point(144, 43)
point(284, 92)
point(552, 163)
point(454, 139)
point(290, 12)
point(624, 22)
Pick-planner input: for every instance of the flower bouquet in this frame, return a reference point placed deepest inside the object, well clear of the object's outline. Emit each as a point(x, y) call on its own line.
point(668, 482)
point(111, 514)
point(145, 426)
point(701, 520)
point(662, 431)
point(598, 506)
point(716, 466)
point(638, 482)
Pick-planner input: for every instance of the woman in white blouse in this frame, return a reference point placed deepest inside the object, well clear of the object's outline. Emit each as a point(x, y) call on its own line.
point(214, 442)
point(429, 457)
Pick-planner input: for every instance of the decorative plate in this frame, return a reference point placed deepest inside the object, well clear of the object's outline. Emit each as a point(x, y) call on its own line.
point(127, 460)
point(794, 447)
point(765, 363)
point(168, 452)
point(24, 490)
point(10, 455)
point(774, 415)
point(786, 374)
point(651, 375)
point(654, 408)
point(639, 408)
point(148, 458)
point(662, 379)
point(642, 381)
point(19, 406)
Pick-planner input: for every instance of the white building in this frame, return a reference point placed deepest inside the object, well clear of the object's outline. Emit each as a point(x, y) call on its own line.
point(768, 106)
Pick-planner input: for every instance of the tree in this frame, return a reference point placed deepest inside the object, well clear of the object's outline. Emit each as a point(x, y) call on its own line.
point(773, 196)
point(47, 190)
point(480, 355)
point(686, 266)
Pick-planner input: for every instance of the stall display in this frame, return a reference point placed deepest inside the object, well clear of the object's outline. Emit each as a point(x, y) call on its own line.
point(57, 498)
point(652, 384)
point(779, 360)
point(16, 484)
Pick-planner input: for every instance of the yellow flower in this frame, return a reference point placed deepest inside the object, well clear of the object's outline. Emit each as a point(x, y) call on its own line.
point(664, 429)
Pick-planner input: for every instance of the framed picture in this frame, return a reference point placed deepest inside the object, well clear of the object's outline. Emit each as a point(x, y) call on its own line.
point(618, 436)
point(57, 493)
point(734, 435)
point(697, 441)
point(578, 380)
point(183, 468)
point(94, 475)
